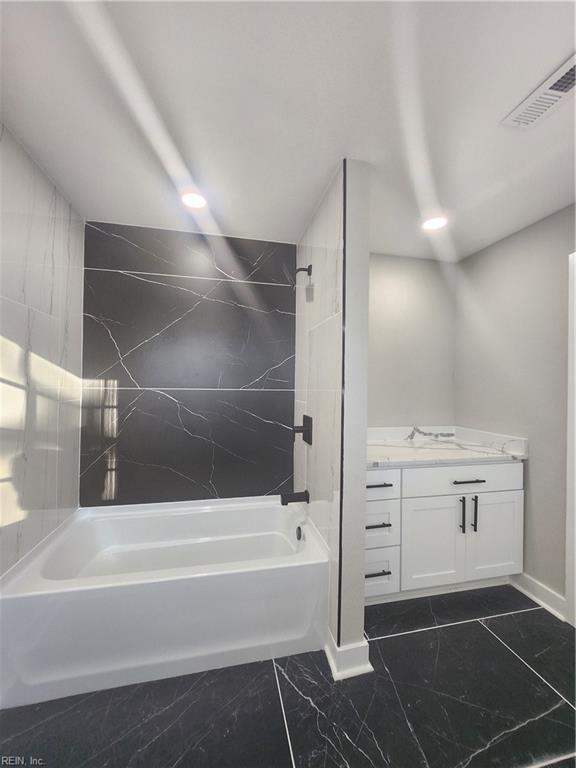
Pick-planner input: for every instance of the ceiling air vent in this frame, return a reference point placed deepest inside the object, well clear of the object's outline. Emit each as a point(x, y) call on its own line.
point(546, 98)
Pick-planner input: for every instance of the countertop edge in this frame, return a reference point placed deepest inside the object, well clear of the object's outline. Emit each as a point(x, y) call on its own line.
point(403, 464)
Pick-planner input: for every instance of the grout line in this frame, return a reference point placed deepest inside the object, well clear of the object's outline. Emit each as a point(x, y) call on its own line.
point(555, 761)
point(89, 387)
point(528, 665)
point(189, 277)
point(283, 713)
point(456, 623)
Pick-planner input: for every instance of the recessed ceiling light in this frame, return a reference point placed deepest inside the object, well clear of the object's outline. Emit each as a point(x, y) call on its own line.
point(193, 200)
point(436, 223)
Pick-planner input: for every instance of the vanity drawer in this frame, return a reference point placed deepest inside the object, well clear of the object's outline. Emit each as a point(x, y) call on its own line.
point(383, 484)
point(386, 563)
point(382, 523)
point(469, 478)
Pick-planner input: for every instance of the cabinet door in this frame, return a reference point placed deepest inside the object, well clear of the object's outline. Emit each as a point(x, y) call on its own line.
point(433, 543)
point(494, 545)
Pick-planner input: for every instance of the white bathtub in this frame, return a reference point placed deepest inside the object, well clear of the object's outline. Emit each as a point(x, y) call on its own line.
point(128, 594)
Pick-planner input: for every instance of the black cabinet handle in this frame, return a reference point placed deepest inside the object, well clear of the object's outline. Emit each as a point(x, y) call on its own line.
point(462, 525)
point(467, 482)
point(381, 485)
point(379, 525)
point(375, 575)
point(475, 519)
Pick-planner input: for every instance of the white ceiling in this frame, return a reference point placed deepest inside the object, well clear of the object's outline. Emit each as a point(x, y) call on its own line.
point(263, 99)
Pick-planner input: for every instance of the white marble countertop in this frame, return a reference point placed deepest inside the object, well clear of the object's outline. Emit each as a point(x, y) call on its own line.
point(426, 446)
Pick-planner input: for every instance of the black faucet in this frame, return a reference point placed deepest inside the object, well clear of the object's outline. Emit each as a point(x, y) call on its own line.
point(288, 498)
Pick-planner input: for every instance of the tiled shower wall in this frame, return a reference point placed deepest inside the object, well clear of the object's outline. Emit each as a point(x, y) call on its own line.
point(331, 388)
point(41, 269)
point(188, 366)
point(319, 372)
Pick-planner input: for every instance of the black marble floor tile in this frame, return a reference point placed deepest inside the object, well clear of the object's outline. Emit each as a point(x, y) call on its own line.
point(168, 252)
point(161, 331)
point(146, 446)
point(451, 698)
point(570, 762)
point(422, 612)
point(228, 718)
point(544, 642)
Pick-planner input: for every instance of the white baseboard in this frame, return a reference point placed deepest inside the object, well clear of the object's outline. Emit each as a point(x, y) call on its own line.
point(443, 590)
point(543, 595)
point(347, 660)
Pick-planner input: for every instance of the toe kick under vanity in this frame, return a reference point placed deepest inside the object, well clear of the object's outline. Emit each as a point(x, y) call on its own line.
point(445, 506)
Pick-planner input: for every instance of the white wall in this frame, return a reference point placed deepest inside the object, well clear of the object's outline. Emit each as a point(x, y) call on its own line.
point(41, 266)
point(355, 391)
point(412, 342)
point(331, 388)
point(318, 373)
point(483, 344)
point(570, 585)
point(511, 375)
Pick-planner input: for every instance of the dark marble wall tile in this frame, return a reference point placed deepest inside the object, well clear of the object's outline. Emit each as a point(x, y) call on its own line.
point(181, 313)
point(142, 446)
point(155, 331)
point(450, 698)
point(162, 251)
point(229, 718)
point(544, 642)
point(422, 612)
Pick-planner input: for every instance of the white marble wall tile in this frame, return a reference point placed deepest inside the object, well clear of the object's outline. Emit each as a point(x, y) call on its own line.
point(318, 371)
point(41, 264)
point(300, 472)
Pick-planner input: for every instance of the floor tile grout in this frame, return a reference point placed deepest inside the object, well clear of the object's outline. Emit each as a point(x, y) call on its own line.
point(555, 761)
point(456, 623)
point(283, 713)
point(481, 622)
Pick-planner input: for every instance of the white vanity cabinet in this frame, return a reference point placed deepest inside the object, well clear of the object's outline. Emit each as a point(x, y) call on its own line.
point(494, 545)
point(448, 524)
point(434, 549)
point(383, 532)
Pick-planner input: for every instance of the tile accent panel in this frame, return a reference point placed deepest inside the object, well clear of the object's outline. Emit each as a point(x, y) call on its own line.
point(41, 267)
point(188, 366)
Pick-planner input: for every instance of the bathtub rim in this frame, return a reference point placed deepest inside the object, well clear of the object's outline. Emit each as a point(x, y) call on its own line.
point(25, 578)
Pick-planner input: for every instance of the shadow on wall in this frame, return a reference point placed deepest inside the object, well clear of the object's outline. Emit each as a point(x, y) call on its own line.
point(37, 420)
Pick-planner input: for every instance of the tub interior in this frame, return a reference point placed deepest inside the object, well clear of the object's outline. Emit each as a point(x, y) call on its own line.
point(141, 558)
point(107, 545)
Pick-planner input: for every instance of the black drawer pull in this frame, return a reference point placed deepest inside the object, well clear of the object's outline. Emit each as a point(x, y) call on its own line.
point(467, 482)
point(375, 575)
point(462, 525)
point(381, 485)
point(379, 525)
